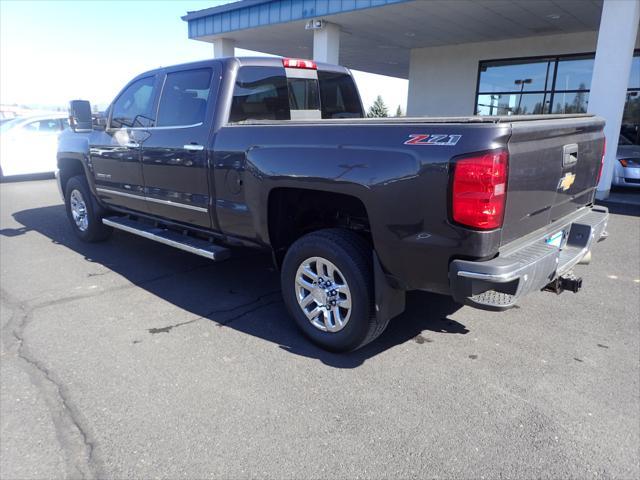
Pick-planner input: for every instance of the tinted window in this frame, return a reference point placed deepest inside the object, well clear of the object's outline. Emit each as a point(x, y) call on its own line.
point(184, 98)
point(260, 93)
point(43, 126)
point(134, 108)
point(338, 96)
point(303, 94)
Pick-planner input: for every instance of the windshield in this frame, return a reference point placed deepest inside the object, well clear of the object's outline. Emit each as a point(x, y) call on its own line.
point(9, 124)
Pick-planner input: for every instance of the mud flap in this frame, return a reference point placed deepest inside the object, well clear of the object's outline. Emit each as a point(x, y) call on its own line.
point(390, 302)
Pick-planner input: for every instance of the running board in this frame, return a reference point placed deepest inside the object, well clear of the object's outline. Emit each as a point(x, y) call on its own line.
point(169, 237)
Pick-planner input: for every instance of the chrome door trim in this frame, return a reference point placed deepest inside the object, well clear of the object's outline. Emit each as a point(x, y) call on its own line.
point(175, 204)
point(151, 199)
point(122, 194)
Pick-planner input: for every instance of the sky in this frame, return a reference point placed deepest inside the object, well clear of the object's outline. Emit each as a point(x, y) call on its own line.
point(54, 51)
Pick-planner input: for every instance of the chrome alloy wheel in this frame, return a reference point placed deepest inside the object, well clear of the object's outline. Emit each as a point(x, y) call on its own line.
point(79, 210)
point(323, 294)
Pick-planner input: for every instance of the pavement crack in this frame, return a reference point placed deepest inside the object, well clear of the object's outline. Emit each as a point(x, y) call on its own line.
point(71, 432)
point(256, 304)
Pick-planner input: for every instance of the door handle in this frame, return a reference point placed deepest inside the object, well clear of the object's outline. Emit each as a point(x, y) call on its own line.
point(193, 147)
point(132, 145)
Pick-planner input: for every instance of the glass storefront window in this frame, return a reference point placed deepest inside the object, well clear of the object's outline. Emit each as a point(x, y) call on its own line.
point(634, 77)
point(512, 104)
point(502, 76)
point(631, 118)
point(550, 85)
point(570, 102)
point(574, 74)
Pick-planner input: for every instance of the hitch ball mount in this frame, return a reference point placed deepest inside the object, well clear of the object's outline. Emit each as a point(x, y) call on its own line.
point(565, 282)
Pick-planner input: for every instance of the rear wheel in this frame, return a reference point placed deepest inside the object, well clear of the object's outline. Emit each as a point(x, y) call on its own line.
point(83, 212)
point(327, 284)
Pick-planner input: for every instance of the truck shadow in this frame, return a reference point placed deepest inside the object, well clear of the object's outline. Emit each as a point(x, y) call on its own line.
point(242, 293)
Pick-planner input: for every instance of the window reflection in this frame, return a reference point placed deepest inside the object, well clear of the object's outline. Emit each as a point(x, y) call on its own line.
point(570, 102)
point(550, 85)
point(502, 76)
point(574, 74)
point(512, 104)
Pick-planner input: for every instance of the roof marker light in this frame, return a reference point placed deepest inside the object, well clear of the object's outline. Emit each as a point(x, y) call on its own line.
point(299, 63)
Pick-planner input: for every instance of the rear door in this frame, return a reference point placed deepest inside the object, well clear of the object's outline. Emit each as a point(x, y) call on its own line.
point(115, 152)
point(174, 153)
point(553, 170)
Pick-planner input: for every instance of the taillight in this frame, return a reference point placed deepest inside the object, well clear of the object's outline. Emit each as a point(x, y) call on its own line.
point(479, 190)
point(298, 63)
point(604, 151)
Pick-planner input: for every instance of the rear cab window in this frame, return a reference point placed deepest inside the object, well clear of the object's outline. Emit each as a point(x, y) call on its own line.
point(339, 96)
point(278, 93)
point(260, 93)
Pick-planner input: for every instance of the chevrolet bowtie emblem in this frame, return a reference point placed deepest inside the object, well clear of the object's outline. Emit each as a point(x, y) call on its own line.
point(566, 181)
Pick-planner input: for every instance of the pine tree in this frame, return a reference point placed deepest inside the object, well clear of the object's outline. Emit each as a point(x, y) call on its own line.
point(399, 112)
point(378, 109)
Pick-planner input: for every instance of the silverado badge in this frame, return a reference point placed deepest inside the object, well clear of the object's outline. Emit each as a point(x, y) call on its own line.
point(566, 181)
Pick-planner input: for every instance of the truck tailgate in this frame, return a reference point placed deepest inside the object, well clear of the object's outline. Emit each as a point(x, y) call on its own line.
point(553, 171)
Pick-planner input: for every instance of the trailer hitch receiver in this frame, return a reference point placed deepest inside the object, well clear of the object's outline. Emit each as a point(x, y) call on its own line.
point(565, 282)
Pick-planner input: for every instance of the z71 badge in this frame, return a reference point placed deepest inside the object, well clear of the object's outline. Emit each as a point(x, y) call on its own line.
point(432, 139)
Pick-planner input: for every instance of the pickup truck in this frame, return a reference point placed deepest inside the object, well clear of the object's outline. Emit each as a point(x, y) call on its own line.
point(275, 154)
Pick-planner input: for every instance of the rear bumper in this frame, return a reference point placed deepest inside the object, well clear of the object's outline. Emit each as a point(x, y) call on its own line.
point(497, 284)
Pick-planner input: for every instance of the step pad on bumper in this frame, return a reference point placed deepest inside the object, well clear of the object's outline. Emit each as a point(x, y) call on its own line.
point(169, 237)
point(497, 284)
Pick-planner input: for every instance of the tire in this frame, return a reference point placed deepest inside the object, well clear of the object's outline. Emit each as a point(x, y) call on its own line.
point(78, 198)
point(351, 258)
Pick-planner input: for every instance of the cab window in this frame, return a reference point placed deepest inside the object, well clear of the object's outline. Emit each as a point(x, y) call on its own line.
point(184, 98)
point(134, 107)
point(260, 93)
point(338, 96)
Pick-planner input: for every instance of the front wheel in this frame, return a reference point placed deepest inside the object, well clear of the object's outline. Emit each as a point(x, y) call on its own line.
point(83, 212)
point(327, 284)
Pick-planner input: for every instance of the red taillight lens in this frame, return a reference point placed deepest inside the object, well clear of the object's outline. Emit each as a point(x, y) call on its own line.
point(604, 150)
point(479, 190)
point(298, 63)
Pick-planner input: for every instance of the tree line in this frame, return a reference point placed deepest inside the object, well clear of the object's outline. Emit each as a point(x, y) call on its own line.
point(379, 109)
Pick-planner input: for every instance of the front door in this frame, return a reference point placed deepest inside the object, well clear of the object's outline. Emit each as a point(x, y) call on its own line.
point(174, 156)
point(116, 152)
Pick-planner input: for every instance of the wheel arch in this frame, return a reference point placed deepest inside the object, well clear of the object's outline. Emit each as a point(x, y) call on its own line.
point(293, 212)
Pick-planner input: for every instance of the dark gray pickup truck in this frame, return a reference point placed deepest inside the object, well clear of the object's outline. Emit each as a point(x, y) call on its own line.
point(274, 153)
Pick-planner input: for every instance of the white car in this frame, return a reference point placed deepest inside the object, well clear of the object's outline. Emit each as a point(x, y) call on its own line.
point(627, 170)
point(29, 144)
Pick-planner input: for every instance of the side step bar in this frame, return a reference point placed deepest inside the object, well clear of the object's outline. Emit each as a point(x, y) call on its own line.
point(169, 237)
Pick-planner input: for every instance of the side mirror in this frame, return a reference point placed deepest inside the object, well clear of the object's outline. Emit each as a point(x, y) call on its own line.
point(80, 116)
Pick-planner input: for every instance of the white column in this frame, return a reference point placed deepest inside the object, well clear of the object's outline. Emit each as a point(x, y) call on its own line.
point(326, 44)
point(224, 47)
point(611, 69)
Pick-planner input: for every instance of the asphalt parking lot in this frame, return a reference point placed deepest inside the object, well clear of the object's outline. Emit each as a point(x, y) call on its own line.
point(131, 359)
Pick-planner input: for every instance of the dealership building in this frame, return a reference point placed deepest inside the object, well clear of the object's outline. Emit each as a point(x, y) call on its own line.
point(461, 57)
